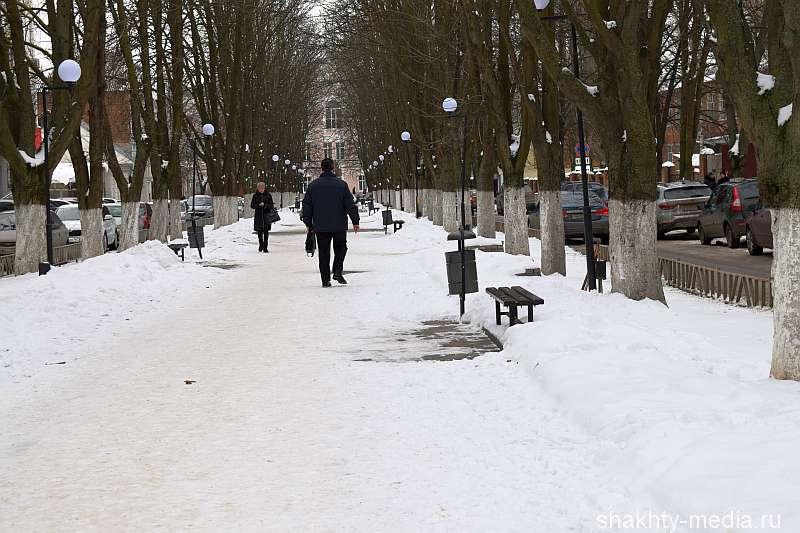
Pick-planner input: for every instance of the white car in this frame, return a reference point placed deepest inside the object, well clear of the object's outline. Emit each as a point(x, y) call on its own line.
point(71, 216)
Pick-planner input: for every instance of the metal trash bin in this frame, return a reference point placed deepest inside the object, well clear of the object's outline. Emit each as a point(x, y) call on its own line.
point(453, 261)
point(196, 237)
point(387, 217)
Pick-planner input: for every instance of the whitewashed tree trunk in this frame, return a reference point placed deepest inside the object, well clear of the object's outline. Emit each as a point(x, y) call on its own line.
point(248, 212)
point(93, 236)
point(551, 220)
point(408, 200)
point(31, 247)
point(450, 211)
point(786, 294)
point(159, 223)
point(437, 211)
point(129, 229)
point(175, 223)
point(427, 203)
point(225, 212)
point(515, 221)
point(634, 260)
point(487, 220)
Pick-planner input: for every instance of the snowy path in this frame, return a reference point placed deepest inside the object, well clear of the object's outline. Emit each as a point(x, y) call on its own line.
point(283, 430)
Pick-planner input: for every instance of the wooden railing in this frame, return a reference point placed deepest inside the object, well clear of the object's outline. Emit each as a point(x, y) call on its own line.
point(65, 254)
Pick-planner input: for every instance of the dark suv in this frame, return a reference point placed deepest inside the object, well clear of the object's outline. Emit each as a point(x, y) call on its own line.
point(724, 215)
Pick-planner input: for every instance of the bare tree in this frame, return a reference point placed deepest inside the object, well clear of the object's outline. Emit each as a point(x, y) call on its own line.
point(764, 83)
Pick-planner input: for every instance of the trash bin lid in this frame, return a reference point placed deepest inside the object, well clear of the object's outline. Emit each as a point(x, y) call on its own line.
point(456, 235)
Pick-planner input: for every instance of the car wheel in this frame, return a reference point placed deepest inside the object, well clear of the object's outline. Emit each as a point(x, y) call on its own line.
point(732, 241)
point(703, 237)
point(752, 247)
point(660, 234)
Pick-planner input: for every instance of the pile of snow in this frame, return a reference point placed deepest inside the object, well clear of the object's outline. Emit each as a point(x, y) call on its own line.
point(765, 82)
point(43, 316)
point(784, 114)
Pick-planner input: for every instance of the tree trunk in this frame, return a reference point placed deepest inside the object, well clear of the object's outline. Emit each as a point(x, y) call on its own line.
point(515, 221)
point(129, 230)
point(159, 223)
point(450, 211)
point(248, 211)
point(487, 219)
point(31, 247)
point(93, 236)
point(437, 207)
point(786, 297)
point(175, 222)
point(551, 220)
point(225, 211)
point(634, 260)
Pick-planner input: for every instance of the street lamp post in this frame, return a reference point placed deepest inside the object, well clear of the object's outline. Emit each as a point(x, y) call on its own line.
point(450, 107)
point(588, 234)
point(69, 72)
point(406, 138)
point(208, 131)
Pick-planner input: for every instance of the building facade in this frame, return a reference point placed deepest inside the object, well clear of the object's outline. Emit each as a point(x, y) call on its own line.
point(327, 139)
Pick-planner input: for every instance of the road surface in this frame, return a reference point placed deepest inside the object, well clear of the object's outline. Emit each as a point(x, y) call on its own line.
point(682, 247)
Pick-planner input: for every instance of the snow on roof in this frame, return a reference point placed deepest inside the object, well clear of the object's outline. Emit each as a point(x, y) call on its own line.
point(64, 173)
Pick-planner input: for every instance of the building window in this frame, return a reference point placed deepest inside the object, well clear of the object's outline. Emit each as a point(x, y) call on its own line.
point(362, 183)
point(327, 149)
point(332, 116)
point(307, 153)
point(340, 151)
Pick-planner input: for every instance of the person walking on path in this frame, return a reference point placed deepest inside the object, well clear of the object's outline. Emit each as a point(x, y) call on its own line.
point(262, 204)
point(326, 206)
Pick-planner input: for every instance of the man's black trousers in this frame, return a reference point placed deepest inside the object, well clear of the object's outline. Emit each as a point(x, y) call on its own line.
point(324, 240)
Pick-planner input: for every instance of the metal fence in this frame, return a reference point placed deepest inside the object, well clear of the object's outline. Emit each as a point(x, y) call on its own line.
point(6, 265)
point(709, 282)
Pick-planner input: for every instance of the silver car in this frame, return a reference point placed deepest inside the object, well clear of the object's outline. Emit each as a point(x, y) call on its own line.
point(680, 205)
point(8, 232)
point(71, 216)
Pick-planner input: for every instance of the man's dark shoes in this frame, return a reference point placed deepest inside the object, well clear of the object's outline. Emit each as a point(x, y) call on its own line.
point(326, 283)
point(340, 278)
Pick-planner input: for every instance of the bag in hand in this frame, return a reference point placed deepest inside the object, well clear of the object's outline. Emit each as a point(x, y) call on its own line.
point(272, 216)
point(311, 243)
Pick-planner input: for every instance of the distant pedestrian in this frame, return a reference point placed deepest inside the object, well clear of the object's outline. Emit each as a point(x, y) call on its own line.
point(262, 204)
point(710, 181)
point(326, 206)
point(724, 178)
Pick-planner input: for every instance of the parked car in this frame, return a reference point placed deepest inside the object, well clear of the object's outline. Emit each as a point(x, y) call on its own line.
point(6, 205)
point(594, 187)
point(55, 203)
point(71, 216)
point(110, 201)
point(758, 230)
point(530, 199)
point(203, 206)
point(724, 215)
point(680, 205)
point(572, 211)
point(68, 200)
point(8, 231)
point(145, 214)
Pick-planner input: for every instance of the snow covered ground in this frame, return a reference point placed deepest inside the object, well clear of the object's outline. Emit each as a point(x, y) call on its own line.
point(602, 412)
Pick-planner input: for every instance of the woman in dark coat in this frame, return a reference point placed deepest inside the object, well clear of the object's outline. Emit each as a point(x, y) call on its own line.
point(262, 204)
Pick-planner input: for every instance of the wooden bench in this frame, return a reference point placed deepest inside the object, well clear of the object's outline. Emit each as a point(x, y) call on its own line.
point(512, 298)
point(398, 224)
point(178, 248)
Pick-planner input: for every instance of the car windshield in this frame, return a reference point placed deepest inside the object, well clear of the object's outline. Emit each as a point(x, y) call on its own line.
point(7, 221)
point(200, 201)
point(115, 210)
point(682, 193)
point(69, 212)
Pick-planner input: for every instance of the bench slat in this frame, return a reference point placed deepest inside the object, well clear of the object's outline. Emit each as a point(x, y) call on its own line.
point(525, 293)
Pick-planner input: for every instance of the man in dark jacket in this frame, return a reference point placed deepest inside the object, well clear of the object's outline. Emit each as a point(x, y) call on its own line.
point(262, 204)
point(326, 206)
